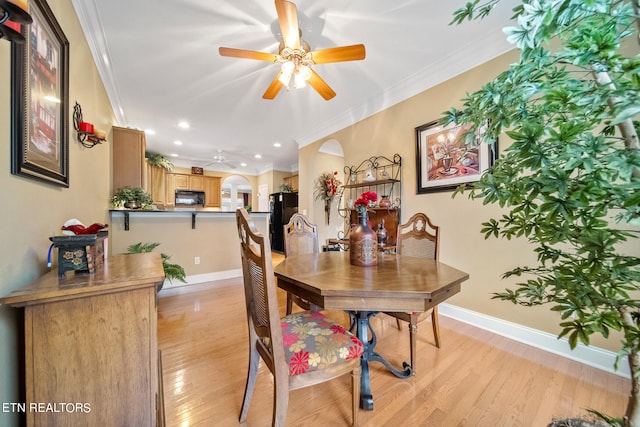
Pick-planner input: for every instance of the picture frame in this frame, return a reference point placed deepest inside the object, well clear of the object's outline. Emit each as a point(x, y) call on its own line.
point(40, 99)
point(444, 161)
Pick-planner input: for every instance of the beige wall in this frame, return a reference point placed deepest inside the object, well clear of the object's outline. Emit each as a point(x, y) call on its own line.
point(462, 245)
point(33, 211)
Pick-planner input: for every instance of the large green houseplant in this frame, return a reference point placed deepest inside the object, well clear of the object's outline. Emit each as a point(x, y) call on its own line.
point(570, 180)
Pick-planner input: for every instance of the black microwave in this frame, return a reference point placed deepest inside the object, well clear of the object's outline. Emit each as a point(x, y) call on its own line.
point(189, 198)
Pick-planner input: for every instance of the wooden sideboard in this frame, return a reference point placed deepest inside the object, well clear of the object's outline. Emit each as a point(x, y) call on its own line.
point(91, 352)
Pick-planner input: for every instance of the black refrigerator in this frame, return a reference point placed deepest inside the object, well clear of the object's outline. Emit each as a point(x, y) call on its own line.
point(281, 207)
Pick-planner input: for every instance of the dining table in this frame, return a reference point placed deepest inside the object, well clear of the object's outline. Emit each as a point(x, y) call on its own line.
point(329, 281)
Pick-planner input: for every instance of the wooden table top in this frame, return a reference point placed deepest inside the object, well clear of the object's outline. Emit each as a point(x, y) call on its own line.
point(119, 273)
point(397, 283)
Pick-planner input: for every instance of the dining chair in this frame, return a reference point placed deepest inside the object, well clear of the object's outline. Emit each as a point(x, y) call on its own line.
point(301, 349)
point(418, 238)
point(300, 237)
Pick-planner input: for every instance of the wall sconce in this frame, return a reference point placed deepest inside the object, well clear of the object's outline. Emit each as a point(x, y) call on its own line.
point(87, 135)
point(12, 15)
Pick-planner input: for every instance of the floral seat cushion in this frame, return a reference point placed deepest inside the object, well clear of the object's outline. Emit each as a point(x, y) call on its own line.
point(312, 341)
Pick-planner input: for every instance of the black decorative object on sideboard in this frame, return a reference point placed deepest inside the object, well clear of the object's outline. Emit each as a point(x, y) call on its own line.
point(82, 253)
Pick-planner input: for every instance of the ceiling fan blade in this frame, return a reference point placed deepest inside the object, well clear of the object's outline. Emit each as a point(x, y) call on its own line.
point(354, 52)
point(247, 54)
point(273, 88)
point(316, 82)
point(288, 18)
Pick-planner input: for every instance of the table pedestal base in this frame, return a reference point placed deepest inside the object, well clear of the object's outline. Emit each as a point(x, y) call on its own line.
point(360, 321)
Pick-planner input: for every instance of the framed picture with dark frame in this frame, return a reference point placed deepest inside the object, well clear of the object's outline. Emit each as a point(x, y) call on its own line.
point(444, 161)
point(40, 99)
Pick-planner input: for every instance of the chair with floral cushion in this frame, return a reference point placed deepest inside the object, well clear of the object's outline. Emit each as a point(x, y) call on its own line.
point(300, 237)
point(301, 349)
point(418, 238)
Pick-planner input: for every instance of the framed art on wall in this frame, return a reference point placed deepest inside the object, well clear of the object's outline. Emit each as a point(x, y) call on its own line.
point(40, 99)
point(444, 161)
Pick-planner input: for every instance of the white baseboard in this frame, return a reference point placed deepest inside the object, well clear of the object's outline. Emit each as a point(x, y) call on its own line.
point(588, 355)
point(199, 282)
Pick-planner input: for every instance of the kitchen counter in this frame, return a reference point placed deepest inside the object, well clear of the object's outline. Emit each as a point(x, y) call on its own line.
point(186, 211)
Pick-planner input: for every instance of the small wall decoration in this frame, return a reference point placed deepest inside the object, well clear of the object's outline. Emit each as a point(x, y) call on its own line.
point(326, 188)
point(444, 161)
point(40, 99)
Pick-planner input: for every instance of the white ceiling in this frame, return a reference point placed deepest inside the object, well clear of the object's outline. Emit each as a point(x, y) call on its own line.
point(160, 65)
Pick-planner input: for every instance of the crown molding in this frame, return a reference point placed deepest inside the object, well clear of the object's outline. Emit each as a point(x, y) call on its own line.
point(416, 83)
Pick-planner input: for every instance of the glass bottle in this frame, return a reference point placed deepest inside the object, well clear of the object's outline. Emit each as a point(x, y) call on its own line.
point(363, 243)
point(382, 235)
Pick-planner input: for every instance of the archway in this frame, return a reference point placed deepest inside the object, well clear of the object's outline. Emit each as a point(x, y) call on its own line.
point(236, 193)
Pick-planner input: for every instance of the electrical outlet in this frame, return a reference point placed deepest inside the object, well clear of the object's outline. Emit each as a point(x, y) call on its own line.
point(196, 260)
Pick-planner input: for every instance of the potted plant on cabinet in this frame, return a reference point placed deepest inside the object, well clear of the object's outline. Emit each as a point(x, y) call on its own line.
point(571, 178)
point(159, 160)
point(131, 198)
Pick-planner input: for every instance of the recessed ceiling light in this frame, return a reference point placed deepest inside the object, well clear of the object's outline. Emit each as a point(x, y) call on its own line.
point(177, 142)
point(243, 164)
point(150, 131)
point(184, 125)
point(277, 144)
point(258, 156)
point(173, 155)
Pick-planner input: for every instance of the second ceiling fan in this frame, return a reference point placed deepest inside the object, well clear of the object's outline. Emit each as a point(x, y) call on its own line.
point(296, 56)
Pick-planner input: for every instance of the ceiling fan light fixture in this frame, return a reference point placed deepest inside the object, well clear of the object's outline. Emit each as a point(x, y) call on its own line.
point(299, 81)
point(305, 72)
point(286, 71)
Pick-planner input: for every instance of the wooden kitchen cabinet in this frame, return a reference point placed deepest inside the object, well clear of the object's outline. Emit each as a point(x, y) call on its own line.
point(211, 192)
point(91, 344)
point(129, 167)
point(181, 181)
point(157, 184)
point(292, 181)
point(196, 183)
point(170, 189)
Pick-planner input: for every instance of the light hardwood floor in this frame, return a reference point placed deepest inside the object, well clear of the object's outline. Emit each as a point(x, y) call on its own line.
point(475, 379)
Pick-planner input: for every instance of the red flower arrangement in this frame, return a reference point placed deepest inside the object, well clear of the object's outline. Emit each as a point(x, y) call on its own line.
point(327, 186)
point(364, 200)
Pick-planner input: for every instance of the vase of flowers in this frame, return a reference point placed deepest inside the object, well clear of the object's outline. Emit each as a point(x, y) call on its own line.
point(326, 189)
point(363, 240)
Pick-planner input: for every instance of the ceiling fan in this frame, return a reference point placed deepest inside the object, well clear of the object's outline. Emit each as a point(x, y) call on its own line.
point(221, 159)
point(296, 56)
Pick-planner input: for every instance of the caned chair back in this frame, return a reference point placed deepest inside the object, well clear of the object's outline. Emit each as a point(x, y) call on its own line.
point(260, 293)
point(418, 238)
point(300, 236)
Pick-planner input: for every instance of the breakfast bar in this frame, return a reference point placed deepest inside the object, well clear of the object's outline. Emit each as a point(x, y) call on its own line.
point(204, 251)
